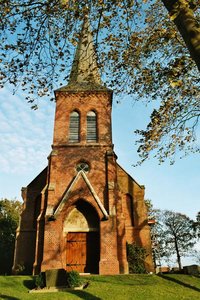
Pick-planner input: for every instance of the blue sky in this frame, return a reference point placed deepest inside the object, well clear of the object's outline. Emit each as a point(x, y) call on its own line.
point(26, 138)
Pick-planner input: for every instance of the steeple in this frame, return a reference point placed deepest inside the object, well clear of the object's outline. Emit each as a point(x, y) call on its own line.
point(84, 74)
point(84, 68)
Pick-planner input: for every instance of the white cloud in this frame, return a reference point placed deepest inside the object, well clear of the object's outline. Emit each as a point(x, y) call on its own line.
point(25, 138)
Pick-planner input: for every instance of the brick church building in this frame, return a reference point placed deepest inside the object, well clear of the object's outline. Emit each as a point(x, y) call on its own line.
point(83, 208)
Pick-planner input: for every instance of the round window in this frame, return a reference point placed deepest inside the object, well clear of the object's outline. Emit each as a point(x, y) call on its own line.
point(82, 166)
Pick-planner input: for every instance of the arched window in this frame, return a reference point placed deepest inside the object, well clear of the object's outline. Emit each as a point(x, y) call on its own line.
point(74, 127)
point(129, 210)
point(91, 126)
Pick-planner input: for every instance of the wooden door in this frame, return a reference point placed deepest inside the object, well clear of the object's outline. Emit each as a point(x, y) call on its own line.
point(82, 252)
point(76, 251)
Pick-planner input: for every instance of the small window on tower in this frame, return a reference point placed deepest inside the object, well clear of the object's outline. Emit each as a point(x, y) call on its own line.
point(74, 127)
point(91, 127)
point(83, 166)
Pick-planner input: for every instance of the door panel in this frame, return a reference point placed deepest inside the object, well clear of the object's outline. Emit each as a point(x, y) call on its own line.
point(82, 252)
point(76, 251)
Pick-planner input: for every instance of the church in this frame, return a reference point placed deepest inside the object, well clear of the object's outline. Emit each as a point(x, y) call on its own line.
point(80, 212)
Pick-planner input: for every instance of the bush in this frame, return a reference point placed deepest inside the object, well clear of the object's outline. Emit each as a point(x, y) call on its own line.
point(73, 279)
point(39, 281)
point(136, 256)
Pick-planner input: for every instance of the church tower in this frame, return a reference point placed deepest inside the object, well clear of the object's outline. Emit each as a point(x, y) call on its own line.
point(82, 172)
point(83, 209)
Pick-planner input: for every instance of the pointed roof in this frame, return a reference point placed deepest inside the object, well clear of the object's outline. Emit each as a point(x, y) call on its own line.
point(84, 67)
point(84, 72)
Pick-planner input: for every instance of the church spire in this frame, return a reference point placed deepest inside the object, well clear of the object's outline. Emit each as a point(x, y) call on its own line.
point(84, 68)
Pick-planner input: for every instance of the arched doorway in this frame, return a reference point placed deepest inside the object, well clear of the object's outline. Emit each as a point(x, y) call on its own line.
point(81, 229)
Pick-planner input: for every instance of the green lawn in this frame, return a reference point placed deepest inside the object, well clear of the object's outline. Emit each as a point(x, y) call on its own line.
point(120, 287)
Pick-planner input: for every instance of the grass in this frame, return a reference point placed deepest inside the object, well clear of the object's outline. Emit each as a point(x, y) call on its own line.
point(119, 287)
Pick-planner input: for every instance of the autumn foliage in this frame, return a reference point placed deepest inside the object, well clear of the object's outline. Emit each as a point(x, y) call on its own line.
point(144, 50)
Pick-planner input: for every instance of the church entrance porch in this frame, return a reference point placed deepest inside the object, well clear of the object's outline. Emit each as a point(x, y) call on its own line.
point(82, 239)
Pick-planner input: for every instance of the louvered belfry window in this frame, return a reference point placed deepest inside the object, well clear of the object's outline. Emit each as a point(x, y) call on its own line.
point(74, 127)
point(91, 126)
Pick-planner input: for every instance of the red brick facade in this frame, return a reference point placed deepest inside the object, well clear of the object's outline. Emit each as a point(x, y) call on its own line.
point(68, 211)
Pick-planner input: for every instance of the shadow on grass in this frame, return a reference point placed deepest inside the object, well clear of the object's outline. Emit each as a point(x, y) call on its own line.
point(29, 284)
point(84, 295)
point(187, 285)
point(8, 297)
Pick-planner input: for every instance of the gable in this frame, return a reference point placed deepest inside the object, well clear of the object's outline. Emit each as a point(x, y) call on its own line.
point(39, 181)
point(127, 177)
point(75, 188)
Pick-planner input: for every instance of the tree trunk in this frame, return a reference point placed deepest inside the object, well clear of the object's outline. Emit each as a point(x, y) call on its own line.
point(178, 255)
point(187, 25)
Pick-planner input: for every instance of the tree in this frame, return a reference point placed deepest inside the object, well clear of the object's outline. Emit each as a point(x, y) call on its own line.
point(176, 234)
point(182, 13)
point(9, 218)
point(153, 217)
point(139, 51)
point(196, 253)
point(196, 256)
point(151, 211)
point(197, 224)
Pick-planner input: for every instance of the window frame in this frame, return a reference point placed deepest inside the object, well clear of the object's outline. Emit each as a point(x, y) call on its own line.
point(74, 127)
point(91, 127)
